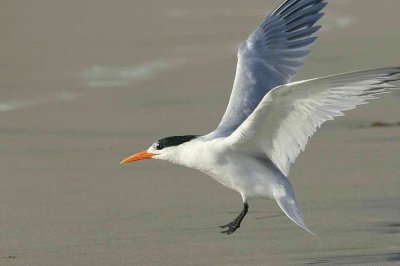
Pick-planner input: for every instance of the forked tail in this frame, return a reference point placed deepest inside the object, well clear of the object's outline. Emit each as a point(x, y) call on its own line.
point(286, 200)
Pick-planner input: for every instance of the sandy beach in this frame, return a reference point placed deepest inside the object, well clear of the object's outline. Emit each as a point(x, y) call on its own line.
point(86, 83)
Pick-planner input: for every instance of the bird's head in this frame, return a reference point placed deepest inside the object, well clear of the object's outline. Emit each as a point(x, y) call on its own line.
point(163, 149)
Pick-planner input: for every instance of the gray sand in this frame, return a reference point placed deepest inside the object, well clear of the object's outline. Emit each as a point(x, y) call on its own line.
point(85, 83)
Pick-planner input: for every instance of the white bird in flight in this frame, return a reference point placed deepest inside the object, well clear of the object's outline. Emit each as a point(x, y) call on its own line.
point(269, 119)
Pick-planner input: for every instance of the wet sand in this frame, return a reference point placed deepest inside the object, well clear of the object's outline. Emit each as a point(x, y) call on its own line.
point(84, 84)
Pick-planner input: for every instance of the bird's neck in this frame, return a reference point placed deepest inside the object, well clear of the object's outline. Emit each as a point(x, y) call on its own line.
point(198, 154)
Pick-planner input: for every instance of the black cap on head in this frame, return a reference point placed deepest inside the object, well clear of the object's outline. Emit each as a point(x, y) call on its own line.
point(173, 141)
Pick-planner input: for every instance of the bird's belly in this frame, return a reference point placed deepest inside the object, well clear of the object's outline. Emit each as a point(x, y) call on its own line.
point(253, 178)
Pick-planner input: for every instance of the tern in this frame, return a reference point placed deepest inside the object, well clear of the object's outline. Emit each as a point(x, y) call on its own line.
point(269, 119)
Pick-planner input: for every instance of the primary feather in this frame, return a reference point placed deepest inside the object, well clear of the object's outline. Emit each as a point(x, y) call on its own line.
point(290, 114)
point(270, 57)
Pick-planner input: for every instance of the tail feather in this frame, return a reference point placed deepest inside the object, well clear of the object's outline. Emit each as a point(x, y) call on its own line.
point(286, 199)
point(289, 207)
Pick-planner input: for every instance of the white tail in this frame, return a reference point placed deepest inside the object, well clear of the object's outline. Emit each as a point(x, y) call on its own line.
point(286, 200)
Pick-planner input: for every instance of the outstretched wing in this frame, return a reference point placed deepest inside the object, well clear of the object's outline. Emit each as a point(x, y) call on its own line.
point(289, 115)
point(270, 57)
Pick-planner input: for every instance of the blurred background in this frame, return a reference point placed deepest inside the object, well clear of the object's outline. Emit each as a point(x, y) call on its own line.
point(86, 83)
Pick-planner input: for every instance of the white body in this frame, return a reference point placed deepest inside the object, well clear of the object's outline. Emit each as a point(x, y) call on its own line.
point(252, 177)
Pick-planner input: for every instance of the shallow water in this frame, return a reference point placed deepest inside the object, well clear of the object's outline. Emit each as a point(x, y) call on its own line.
point(83, 84)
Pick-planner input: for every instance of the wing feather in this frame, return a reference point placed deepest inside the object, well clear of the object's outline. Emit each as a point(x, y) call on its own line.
point(290, 114)
point(270, 57)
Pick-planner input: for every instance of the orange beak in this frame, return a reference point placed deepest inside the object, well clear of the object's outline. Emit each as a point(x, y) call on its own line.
point(138, 156)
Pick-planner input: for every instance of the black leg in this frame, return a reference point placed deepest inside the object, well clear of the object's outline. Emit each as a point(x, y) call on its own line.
point(235, 224)
point(231, 223)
